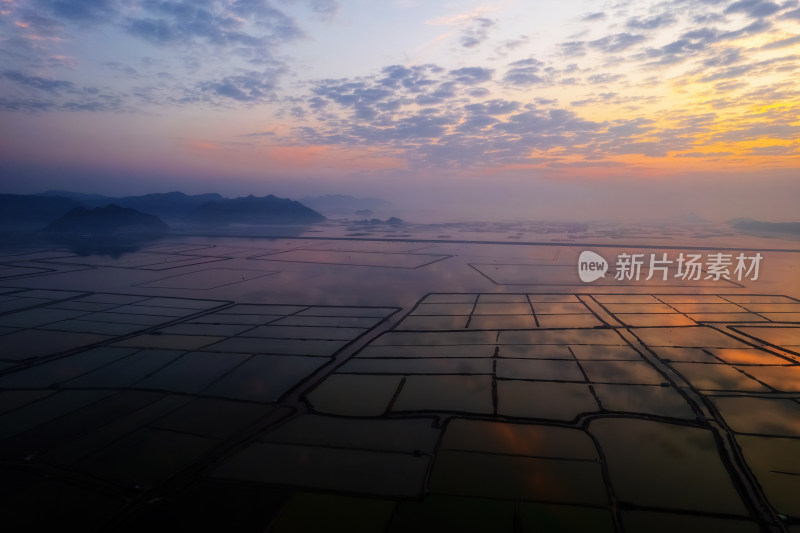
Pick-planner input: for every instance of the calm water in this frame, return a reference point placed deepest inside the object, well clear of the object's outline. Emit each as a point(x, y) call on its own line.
point(317, 381)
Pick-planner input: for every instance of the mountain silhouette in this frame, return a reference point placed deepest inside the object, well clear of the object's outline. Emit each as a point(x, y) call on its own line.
point(254, 210)
point(21, 210)
point(111, 220)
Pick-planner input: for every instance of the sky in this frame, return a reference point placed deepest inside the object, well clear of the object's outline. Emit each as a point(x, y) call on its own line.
point(558, 109)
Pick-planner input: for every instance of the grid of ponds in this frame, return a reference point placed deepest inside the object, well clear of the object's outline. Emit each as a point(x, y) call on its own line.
point(471, 412)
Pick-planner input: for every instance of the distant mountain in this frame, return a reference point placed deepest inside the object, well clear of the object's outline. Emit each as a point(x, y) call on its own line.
point(344, 205)
point(33, 210)
point(748, 224)
point(169, 205)
point(107, 221)
point(87, 200)
point(254, 210)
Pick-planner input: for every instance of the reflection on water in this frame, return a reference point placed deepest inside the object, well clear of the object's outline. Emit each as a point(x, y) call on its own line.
point(666, 465)
point(392, 382)
point(105, 245)
point(776, 463)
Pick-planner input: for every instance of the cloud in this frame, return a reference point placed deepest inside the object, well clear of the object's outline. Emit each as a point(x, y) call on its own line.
point(573, 48)
point(586, 164)
point(646, 148)
point(246, 27)
point(121, 68)
point(512, 44)
point(230, 53)
point(34, 93)
point(247, 87)
point(38, 22)
point(701, 155)
point(443, 91)
point(259, 134)
point(698, 42)
point(598, 79)
point(491, 132)
point(757, 27)
point(366, 100)
point(478, 92)
point(706, 19)
point(591, 17)
point(493, 107)
point(724, 58)
point(740, 70)
point(753, 8)
point(612, 44)
point(471, 75)
point(787, 132)
point(782, 43)
point(446, 133)
point(96, 103)
point(778, 150)
point(477, 33)
point(630, 128)
point(546, 121)
point(413, 78)
point(82, 11)
point(24, 104)
point(425, 125)
point(615, 99)
point(326, 9)
point(524, 72)
point(652, 23)
point(35, 82)
point(205, 44)
point(776, 127)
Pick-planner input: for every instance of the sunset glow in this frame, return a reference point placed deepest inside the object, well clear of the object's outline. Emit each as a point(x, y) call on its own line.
point(344, 95)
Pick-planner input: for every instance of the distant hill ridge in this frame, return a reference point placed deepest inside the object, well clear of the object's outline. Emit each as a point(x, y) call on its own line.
point(38, 210)
point(16, 209)
point(107, 221)
point(169, 205)
point(254, 210)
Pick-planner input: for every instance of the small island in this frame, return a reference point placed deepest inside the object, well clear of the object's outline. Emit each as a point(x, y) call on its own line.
point(749, 225)
point(391, 221)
